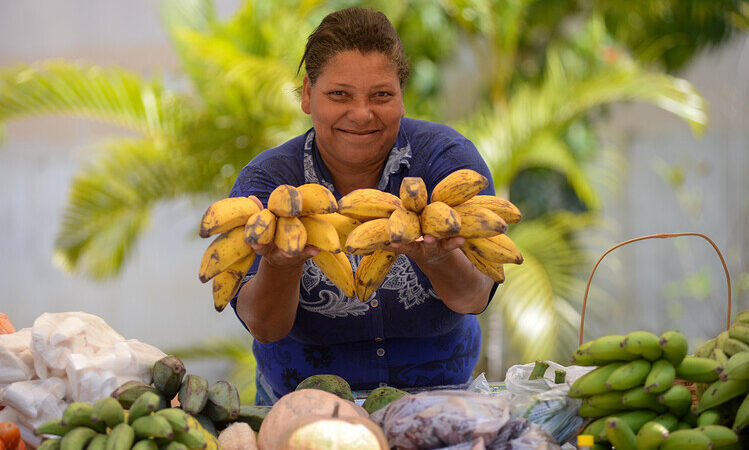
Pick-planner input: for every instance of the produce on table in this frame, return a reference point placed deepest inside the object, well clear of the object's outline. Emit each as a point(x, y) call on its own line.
point(322, 433)
point(10, 437)
point(237, 436)
point(6, 326)
point(381, 397)
point(362, 222)
point(328, 383)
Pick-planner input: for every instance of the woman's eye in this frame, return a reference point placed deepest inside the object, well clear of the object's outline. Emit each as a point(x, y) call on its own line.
point(383, 94)
point(337, 93)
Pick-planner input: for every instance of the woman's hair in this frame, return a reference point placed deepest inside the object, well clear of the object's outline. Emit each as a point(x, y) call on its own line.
point(353, 28)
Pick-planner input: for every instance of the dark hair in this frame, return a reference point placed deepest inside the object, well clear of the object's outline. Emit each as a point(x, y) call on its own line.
point(353, 28)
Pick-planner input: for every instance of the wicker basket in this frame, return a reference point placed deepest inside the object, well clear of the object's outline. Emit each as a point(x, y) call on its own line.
point(690, 385)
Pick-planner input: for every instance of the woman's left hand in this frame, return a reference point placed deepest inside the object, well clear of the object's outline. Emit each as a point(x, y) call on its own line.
point(427, 249)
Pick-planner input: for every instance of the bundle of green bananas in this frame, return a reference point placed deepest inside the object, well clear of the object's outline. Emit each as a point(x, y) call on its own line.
point(635, 397)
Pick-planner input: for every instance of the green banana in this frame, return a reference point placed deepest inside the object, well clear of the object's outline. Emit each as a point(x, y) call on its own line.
point(737, 367)
point(596, 427)
point(121, 437)
point(50, 444)
point(721, 338)
point(694, 368)
point(742, 416)
point(593, 382)
point(661, 377)
point(581, 357)
point(252, 415)
point(193, 394)
point(77, 414)
point(674, 346)
point(739, 331)
point(668, 420)
point(634, 419)
point(651, 435)
point(168, 373)
point(709, 417)
point(174, 445)
point(592, 412)
point(734, 346)
point(687, 440)
point(642, 343)
point(109, 411)
point(129, 391)
point(54, 427)
point(720, 435)
point(99, 442)
point(193, 437)
point(629, 375)
point(620, 434)
point(742, 317)
point(147, 403)
point(720, 392)
point(207, 423)
point(176, 417)
point(146, 444)
point(704, 350)
point(608, 400)
point(153, 426)
point(719, 356)
point(678, 398)
point(223, 401)
point(637, 398)
point(77, 438)
point(608, 349)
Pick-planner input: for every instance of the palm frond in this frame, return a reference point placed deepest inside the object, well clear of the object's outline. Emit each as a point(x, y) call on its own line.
point(115, 96)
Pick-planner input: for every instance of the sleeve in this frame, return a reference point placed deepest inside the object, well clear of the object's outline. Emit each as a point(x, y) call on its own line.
point(459, 154)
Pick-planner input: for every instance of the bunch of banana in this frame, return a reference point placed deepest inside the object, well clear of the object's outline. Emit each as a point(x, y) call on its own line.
point(295, 217)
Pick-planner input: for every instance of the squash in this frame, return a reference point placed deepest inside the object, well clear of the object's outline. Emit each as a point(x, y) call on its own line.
point(342, 433)
point(237, 436)
point(6, 326)
point(301, 404)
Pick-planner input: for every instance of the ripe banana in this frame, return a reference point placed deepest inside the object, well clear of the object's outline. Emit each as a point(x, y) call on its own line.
point(458, 187)
point(479, 222)
point(593, 382)
point(737, 367)
point(226, 214)
point(321, 234)
point(495, 271)
point(499, 206)
point(316, 199)
point(368, 204)
point(661, 377)
point(608, 349)
point(260, 228)
point(338, 269)
point(499, 249)
point(694, 368)
point(404, 226)
point(368, 237)
point(224, 251)
point(371, 273)
point(620, 434)
point(227, 283)
point(643, 343)
point(720, 392)
point(439, 220)
point(285, 201)
point(291, 236)
point(413, 194)
point(629, 375)
point(651, 435)
point(686, 439)
point(343, 225)
point(674, 346)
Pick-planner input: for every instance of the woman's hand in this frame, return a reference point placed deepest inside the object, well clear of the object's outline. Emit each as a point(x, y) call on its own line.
point(279, 259)
point(427, 249)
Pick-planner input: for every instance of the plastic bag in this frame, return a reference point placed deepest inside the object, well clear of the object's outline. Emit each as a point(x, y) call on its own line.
point(517, 382)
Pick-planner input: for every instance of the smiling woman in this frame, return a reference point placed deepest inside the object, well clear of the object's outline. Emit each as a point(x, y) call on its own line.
point(419, 328)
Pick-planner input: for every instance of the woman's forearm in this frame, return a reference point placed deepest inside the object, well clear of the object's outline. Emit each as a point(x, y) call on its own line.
point(458, 283)
point(267, 303)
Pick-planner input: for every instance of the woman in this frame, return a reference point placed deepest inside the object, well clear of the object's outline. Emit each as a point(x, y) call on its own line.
point(420, 328)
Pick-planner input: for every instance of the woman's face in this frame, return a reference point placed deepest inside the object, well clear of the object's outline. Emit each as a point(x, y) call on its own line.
point(356, 106)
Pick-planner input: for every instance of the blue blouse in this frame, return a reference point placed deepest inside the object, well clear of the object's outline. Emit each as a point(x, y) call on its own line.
point(405, 336)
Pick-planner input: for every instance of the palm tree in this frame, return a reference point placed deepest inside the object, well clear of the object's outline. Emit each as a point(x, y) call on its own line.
point(242, 74)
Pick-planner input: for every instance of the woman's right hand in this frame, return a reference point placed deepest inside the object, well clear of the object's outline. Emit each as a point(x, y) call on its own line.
point(277, 258)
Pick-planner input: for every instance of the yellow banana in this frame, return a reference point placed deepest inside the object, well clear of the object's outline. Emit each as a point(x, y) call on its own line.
point(338, 269)
point(285, 201)
point(439, 220)
point(291, 236)
point(459, 186)
point(368, 204)
point(226, 284)
point(260, 228)
point(404, 226)
point(321, 234)
point(499, 206)
point(343, 225)
point(371, 273)
point(224, 251)
point(495, 271)
point(479, 222)
point(498, 249)
point(317, 199)
point(368, 237)
point(226, 214)
point(413, 194)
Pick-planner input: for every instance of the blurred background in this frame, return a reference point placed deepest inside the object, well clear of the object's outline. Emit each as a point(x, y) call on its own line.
point(120, 122)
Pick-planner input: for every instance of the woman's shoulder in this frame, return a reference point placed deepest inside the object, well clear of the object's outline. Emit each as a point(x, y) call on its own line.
point(288, 151)
point(425, 131)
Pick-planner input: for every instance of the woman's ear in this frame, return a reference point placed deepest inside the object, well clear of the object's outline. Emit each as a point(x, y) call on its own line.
point(306, 94)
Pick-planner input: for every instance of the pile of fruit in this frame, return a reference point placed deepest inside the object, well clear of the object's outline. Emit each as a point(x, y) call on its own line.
point(363, 222)
point(640, 396)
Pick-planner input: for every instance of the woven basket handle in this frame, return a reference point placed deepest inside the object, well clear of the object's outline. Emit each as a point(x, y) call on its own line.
point(656, 236)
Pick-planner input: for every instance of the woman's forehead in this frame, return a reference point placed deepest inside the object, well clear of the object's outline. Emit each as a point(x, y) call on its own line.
point(353, 67)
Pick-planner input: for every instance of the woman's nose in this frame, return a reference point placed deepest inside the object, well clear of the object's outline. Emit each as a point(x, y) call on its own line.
point(360, 111)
